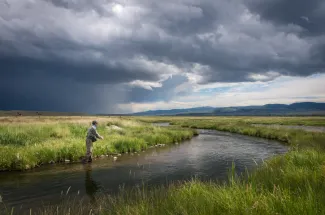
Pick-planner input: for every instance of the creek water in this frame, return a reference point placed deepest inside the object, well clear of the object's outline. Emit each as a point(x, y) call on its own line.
point(208, 156)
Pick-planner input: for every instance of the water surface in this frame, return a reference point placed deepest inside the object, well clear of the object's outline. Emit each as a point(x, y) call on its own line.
point(207, 156)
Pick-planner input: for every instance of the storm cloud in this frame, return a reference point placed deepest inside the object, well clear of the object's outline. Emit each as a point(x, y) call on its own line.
point(83, 55)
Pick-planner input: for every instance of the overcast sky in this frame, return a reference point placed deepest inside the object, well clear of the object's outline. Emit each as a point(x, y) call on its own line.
point(125, 56)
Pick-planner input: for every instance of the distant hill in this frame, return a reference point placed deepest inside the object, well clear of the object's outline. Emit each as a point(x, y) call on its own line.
point(50, 113)
point(39, 113)
point(302, 108)
point(176, 111)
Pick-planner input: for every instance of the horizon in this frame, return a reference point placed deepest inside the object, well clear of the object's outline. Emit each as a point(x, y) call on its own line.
point(228, 106)
point(35, 111)
point(120, 57)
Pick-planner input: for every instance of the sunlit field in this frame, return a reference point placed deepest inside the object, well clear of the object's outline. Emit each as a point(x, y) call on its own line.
point(30, 142)
point(307, 121)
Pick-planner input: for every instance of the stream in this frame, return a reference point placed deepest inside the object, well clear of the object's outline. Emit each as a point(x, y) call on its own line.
point(207, 156)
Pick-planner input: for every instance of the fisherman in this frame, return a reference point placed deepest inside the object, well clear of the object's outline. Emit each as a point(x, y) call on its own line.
point(92, 136)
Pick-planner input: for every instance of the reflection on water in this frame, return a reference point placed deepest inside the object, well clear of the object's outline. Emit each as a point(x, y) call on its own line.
point(91, 186)
point(207, 156)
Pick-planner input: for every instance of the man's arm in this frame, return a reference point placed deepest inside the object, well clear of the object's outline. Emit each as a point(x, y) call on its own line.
point(96, 134)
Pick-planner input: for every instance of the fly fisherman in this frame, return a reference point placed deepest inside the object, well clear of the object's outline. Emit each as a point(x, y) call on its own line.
point(92, 136)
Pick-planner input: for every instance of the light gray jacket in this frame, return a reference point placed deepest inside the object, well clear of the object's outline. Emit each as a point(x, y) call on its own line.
point(92, 133)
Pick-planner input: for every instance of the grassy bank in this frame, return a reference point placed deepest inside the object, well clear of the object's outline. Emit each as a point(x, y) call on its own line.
point(307, 121)
point(289, 184)
point(29, 143)
point(297, 139)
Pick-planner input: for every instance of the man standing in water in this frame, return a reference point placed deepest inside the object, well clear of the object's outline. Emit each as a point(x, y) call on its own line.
point(92, 136)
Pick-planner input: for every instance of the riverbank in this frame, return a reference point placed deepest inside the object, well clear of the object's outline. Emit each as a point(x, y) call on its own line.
point(247, 126)
point(297, 139)
point(248, 120)
point(32, 142)
point(289, 184)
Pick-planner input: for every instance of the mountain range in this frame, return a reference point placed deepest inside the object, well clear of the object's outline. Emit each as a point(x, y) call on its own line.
point(301, 108)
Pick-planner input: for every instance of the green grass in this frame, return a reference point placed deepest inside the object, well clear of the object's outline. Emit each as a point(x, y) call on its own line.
point(307, 121)
point(294, 138)
point(26, 146)
point(293, 183)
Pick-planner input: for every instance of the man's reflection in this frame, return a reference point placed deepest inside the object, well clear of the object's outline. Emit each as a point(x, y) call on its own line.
point(91, 186)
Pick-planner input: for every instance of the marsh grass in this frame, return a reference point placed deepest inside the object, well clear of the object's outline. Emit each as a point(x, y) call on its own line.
point(307, 121)
point(24, 146)
point(294, 138)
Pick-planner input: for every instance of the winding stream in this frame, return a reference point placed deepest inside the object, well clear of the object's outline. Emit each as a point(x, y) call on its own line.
point(207, 156)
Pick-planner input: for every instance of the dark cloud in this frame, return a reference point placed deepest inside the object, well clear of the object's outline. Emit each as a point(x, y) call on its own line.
point(101, 46)
point(22, 67)
point(44, 92)
point(310, 15)
point(80, 5)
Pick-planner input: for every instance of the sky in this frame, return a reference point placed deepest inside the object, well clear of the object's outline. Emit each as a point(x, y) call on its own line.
point(125, 56)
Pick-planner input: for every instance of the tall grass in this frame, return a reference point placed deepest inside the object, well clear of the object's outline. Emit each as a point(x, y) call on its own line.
point(26, 146)
point(307, 121)
point(294, 138)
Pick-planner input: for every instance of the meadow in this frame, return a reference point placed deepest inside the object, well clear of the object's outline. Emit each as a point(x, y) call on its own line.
point(28, 142)
point(244, 125)
point(246, 120)
point(285, 184)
